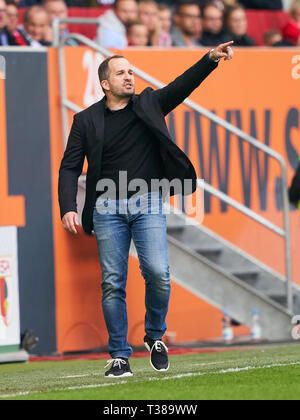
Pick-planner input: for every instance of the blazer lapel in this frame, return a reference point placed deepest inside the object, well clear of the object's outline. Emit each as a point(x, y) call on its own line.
point(98, 122)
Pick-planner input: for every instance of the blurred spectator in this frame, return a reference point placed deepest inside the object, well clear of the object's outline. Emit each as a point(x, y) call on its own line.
point(57, 9)
point(28, 3)
point(229, 2)
point(137, 34)
point(113, 23)
point(148, 14)
point(36, 21)
point(291, 31)
point(91, 3)
point(235, 20)
point(12, 13)
point(13, 22)
point(274, 38)
point(6, 37)
point(213, 31)
point(187, 20)
point(165, 17)
point(69, 3)
point(262, 4)
point(165, 21)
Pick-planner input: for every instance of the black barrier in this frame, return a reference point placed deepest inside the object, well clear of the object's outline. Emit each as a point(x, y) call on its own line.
point(29, 174)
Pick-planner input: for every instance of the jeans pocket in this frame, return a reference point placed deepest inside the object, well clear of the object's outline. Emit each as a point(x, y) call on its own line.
point(105, 206)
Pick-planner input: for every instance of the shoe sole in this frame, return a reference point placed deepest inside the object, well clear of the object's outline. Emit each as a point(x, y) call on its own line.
point(153, 367)
point(125, 375)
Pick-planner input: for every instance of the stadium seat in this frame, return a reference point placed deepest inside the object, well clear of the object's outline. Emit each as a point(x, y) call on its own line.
point(87, 30)
point(261, 21)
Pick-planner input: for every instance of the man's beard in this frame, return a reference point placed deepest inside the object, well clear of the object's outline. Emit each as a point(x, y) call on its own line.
point(189, 32)
point(118, 93)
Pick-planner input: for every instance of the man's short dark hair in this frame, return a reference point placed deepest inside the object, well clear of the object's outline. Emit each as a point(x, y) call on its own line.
point(210, 4)
point(32, 9)
point(12, 3)
point(116, 3)
point(230, 9)
point(103, 70)
point(183, 3)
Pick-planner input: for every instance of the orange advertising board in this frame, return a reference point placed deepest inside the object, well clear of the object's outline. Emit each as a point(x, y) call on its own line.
point(258, 92)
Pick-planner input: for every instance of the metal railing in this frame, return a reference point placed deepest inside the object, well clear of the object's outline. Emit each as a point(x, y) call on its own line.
point(80, 21)
point(284, 233)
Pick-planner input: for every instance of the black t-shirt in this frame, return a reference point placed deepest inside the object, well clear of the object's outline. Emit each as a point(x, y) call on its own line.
point(129, 146)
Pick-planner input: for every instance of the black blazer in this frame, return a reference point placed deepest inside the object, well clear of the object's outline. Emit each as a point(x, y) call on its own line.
point(87, 132)
point(294, 190)
point(10, 38)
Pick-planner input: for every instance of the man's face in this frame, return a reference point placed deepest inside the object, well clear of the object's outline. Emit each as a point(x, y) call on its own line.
point(237, 22)
point(120, 82)
point(189, 19)
point(273, 40)
point(213, 19)
point(3, 14)
point(57, 9)
point(127, 11)
point(148, 14)
point(138, 36)
point(165, 18)
point(12, 17)
point(36, 25)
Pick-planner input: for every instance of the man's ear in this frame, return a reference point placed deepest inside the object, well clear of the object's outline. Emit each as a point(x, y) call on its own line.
point(105, 85)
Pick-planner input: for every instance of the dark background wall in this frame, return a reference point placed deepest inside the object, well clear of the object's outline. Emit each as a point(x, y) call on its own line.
point(28, 150)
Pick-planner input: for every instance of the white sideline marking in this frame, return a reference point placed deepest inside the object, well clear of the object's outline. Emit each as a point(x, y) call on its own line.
point(93, 386)
point(15, 395)
point(183, 375)
point(259, 367)
point(64, 389)
point(75, 376)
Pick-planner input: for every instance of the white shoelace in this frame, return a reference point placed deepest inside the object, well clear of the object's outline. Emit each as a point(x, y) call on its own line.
point(116, 362)
point(159, 345)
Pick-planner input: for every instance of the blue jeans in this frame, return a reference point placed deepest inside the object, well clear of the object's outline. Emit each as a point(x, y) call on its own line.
point(144, 221)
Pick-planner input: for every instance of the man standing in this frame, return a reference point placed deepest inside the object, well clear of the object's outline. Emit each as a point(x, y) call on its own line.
point(126, 134)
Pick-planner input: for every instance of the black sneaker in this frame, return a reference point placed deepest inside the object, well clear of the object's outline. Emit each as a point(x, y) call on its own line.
point(158, 354)
point(120, 368)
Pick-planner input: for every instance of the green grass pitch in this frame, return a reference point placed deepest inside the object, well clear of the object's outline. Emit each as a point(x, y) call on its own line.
point(269, 372)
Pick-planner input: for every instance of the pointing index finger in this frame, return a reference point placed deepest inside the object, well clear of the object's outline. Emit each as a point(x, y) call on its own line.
point(227, 44)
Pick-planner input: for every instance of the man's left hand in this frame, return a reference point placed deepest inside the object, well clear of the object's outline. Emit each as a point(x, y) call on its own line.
point(222, 51)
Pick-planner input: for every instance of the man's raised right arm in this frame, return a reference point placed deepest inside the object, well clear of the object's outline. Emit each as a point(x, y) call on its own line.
point(70, 169)
point(177, 91)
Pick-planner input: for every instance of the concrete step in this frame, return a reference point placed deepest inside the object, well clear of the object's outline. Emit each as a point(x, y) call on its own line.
point(227, 277)
point(246, 274)
point(212, 252)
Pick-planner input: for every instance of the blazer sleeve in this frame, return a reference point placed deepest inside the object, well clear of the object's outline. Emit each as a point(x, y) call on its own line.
point(172, 95)
point(294, 191)
point(70, 169)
